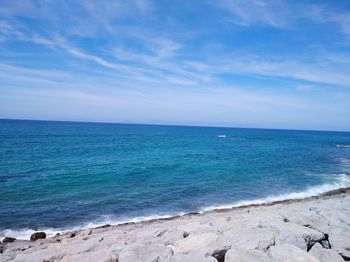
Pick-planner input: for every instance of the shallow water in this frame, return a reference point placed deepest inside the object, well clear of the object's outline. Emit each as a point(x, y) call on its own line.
point(61, 175)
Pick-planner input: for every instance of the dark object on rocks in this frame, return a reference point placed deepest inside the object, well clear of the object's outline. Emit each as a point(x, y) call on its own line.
point(8, 240)
point(72, 235)
point(185, 234)
point(58, 234)
point(286, 220)
point(37, 235)
point(104, 226)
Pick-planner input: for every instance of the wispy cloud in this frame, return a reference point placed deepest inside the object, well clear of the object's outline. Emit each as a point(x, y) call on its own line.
point(263, 58)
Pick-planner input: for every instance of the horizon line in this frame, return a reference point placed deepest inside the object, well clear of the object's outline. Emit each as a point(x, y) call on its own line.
point(178, 125)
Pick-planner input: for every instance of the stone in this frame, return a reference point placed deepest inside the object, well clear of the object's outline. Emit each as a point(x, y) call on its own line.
point(339, 240)
point(297, 235)
point(192, 256)
point(145, 253)
point(195, 242)
point(8, 240)
point(289, 253)
point(245, 255)
point(37, 235)
point(325, 255)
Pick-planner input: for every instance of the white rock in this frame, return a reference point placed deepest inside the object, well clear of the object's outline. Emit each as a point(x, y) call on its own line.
point(245, 255)
point(325, 255)
point(195, 242)
point(289, 253)
point(145, 253)
point(339, 237)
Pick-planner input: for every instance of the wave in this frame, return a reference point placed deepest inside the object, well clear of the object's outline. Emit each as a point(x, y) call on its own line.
point(340, 181)
point(343, 146)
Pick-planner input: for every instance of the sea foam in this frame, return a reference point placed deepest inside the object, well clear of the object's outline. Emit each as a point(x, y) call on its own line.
point(341, 181)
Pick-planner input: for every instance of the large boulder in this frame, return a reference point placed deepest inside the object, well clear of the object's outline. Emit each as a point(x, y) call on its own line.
point(8, 240)
point(325, 255)
point(195, 242)
point(37, 235)
point(339, 236)
point(297, 235)
point(245, 255)
point(146, 253)
point(289, 253)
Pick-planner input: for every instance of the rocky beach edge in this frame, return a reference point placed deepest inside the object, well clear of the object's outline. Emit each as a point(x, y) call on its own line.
point(311, 229)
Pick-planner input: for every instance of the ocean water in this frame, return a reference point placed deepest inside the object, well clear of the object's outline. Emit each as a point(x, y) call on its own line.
point(59, 176)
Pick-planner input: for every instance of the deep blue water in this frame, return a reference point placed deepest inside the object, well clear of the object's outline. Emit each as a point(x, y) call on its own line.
point(60, 175)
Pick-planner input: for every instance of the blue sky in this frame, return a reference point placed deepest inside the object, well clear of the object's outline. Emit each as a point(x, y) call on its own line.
point(245, 63)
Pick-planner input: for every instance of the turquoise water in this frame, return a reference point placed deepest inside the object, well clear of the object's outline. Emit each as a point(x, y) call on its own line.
point(61, 175)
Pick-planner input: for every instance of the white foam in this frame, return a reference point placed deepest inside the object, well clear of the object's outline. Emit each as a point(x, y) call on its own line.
point(222, 136)
point(25, 233)
point(343, 146)
point(340, 181)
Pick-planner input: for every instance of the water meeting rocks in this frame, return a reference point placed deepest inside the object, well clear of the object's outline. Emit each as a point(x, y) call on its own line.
point(316, 229)
point(37, 235)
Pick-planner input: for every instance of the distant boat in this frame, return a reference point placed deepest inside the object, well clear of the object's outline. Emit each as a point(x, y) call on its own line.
point(221, 135)
point(343, 146)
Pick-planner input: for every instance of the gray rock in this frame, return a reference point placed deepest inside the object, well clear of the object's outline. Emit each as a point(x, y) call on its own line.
point(145, 253)
point(289, 253)
point(245, 255)
point(339, 237)
point(195, 242)
point(193, 256)
point(325, 255)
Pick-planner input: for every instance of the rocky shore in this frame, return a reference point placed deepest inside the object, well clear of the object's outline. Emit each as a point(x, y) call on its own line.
point(313, 229)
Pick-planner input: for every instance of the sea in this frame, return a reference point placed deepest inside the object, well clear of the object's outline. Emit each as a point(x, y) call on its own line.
point(64, 176)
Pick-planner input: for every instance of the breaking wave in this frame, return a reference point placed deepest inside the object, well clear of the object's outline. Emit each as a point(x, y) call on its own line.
point(340, 181)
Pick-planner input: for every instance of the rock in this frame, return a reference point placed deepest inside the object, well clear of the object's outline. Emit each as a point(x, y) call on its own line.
point(292, 239)
point(8, 240)
point(185, 234)
point(103, 226)
point(245, 255)
point(195, 242)
point(289, 253)
point(265, 244)
point(325, 255)
point(37, 235)
point(145, 253)
point(297, 235)
point(339, 240)
point(93, 256)
point(193, 256)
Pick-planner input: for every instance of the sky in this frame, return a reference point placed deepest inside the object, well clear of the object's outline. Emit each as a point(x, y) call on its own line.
point(239, 63)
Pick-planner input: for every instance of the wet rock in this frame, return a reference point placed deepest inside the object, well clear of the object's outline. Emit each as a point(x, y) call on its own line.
point(289, 253)
point(325, 255)
point(8, 240)
point(37, 235)
point(103, 226)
